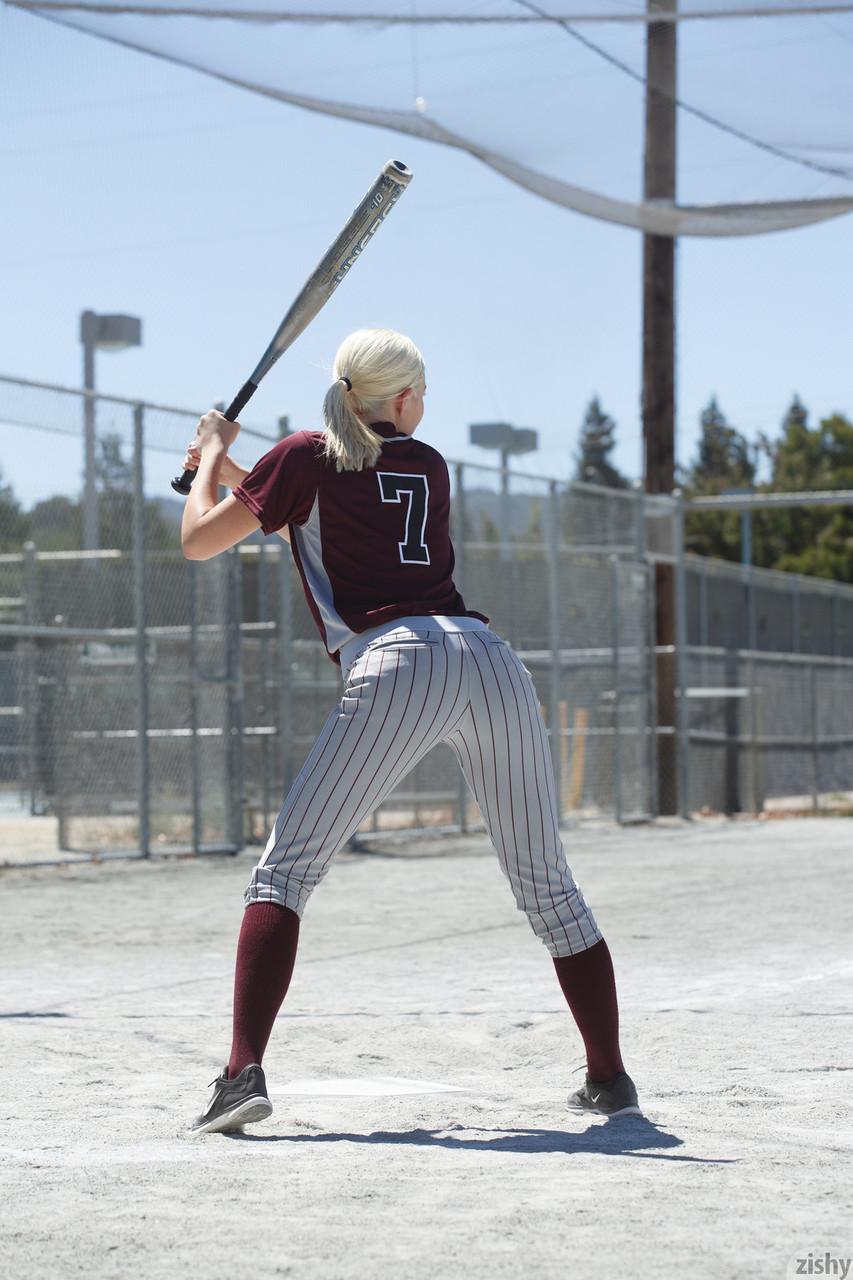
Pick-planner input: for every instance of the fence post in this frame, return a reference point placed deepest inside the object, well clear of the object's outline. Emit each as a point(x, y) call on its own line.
point(614, 641)
point(554, 637)
point(234, 684)
point(60, 749)
point(814, 736)
point(682, 710)
point(459, 545)
point(285, 668)
point(732, 744)
point(752, 617)
point(30, 681)
point(703, 607)
point(652, 707)
point(505, 508)
point(795, 616)
point(140, 621)
point(195, 746)
point(267, 743)
point(754, 710)
point(639, 521)
point(648, 643)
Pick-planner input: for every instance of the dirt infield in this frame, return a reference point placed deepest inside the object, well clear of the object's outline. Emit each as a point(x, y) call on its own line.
point(733, 950)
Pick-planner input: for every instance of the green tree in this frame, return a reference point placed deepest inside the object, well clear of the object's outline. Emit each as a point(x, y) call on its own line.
point(723, 458)
point(533, 536)
point(114, 479)
point(814, 540)
point(56, 524)
point(488, 529)
point(722, 462)
point(14, 525)
point(597, 442)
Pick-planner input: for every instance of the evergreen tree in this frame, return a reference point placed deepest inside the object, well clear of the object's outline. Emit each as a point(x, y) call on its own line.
point(722, 463)
point(597, 441)
point(56, 524)
point(488, 529)
point(114, 478)
point(796, 415)
point(533, 536)
point(816, 540)
point(14, 525)
point(723, 459)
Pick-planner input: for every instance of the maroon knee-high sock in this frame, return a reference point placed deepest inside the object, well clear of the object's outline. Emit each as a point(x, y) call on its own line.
point(590, 989)
point(266, 951)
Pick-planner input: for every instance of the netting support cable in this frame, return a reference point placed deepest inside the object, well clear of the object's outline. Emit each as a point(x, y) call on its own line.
point(652, 17)
point(414, 19)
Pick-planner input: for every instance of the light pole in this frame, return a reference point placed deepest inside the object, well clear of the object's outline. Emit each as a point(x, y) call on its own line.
point(509, 440)
point(104, 333)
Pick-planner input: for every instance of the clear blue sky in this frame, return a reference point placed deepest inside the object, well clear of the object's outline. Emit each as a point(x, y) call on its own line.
point(131, 185)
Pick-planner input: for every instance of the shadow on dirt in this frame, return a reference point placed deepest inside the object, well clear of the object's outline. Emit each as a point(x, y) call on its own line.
point(634, 1135)
point(35, 1013)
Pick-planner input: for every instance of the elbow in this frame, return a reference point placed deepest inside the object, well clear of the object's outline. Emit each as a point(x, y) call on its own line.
point(192, 550)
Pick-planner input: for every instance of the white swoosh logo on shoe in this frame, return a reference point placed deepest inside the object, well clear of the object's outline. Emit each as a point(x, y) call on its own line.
point(593, 1097)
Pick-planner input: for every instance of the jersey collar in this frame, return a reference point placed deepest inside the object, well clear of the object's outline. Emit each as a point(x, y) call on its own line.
point(388, 431)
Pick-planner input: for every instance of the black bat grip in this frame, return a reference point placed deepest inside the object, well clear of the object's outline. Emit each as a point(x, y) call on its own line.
point(184, 482)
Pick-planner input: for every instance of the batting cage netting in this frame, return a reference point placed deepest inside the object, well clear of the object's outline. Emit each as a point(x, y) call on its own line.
point(550, 94)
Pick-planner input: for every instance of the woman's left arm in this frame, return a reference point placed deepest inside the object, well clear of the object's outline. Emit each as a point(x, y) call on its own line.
point(209, 526)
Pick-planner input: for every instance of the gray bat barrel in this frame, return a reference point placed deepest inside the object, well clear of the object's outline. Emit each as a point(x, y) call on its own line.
point(362, 225)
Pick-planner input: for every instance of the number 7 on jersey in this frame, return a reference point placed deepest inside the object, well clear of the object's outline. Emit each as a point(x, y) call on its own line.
point(394, 487)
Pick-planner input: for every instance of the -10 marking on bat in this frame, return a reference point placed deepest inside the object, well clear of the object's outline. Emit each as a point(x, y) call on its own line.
point(378, 200)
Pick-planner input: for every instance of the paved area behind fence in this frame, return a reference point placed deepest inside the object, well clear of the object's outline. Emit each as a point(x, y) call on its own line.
point(428, 1013)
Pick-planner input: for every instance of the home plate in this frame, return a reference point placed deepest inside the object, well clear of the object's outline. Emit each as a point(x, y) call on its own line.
point(374, 1087)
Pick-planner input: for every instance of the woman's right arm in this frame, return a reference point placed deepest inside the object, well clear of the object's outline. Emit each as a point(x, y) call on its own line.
point(231, 474)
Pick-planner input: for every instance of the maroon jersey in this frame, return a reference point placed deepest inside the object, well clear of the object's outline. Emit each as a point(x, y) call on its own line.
point(370, 545)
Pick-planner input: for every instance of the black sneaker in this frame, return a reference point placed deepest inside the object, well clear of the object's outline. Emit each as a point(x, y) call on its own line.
point(616, 1097)
point(243, 1100)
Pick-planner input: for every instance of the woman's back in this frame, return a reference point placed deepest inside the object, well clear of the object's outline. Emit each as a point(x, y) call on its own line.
point(370, 545)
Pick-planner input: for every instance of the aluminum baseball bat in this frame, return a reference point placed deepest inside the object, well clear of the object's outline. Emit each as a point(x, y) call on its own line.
point(322, 283)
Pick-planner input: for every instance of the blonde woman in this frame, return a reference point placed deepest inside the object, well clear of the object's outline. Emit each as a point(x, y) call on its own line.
point(367, 510)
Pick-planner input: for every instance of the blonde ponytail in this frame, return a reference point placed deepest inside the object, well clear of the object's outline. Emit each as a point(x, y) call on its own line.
point(371, 367)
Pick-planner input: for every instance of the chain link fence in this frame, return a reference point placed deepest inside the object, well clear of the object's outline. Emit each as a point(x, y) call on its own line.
point(149, 703)
point(770, 688)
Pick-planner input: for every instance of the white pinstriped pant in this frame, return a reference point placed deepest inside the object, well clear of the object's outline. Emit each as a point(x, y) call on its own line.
point(409, 689)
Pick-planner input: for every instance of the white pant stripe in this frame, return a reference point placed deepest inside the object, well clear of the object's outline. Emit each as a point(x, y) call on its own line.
point(540, 765)
point(403, 696)
point(516, 841)
point(382, 783)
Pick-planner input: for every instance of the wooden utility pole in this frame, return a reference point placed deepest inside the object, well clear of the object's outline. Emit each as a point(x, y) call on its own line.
point(659, 350)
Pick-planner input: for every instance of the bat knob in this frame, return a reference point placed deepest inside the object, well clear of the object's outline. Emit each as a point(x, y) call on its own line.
point(183, 483)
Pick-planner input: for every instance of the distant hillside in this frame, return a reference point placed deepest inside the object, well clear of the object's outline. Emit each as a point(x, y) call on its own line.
point(520, 510)
point(171, 509)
